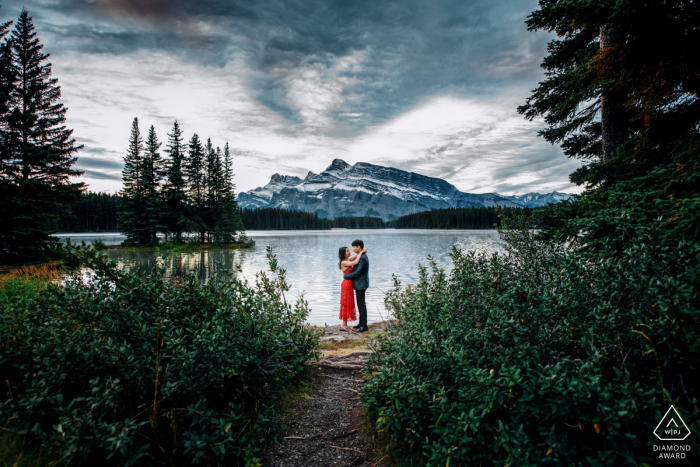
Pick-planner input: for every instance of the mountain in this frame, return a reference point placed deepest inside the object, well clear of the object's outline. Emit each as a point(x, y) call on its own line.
point(536, 200)
point(370, 190)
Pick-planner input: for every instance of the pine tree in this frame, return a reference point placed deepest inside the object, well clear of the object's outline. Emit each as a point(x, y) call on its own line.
point(38, 151)
point(228, 171)
point(622, 76)
point(228, 220)
point(196, 186)
point(175, 188)
point(152, 209)
point(220, 174)
point(134, 190)
point(210, 214)
point(7, 156)
point(8, 78)
point(211, 174)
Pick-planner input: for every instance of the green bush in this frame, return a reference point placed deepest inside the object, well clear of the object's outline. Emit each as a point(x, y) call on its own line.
point(146, 370)
point(14, 290)
point(176, 247)
point(246, 241)
point(544, 355)
point(98, 245)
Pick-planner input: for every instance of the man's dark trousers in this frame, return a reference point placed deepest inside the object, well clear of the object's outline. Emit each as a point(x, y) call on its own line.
point(360, 282)
point(361, 307)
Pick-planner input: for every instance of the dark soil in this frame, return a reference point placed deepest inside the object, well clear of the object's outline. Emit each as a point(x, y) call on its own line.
point(327, 428)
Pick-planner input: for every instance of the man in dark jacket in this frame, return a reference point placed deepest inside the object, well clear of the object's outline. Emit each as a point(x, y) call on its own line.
point(360, 282)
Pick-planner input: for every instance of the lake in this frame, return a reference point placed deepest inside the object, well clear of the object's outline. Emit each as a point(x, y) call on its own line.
point(311, 257)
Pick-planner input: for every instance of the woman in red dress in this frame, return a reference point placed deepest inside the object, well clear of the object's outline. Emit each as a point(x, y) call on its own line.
point(347, 295)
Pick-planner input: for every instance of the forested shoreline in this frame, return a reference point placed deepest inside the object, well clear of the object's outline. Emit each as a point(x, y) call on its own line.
point(282, 219)
point(94, 212)
point(457, 218)
point(100, 212)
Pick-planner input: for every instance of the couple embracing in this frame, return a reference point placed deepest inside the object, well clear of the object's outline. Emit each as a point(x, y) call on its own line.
point(355, 284)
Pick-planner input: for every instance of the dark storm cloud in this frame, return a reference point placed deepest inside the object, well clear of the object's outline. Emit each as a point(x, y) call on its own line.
point(406, 50)
point(98, 175)
point(99, 163)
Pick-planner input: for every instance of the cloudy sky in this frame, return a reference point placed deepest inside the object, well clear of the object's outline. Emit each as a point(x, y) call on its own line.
point(427, 86)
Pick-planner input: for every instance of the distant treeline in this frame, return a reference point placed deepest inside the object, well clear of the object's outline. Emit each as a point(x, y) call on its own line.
point(95, 212)
point(452, 218)
point(99, 212)
point(359, 223)
point(282, 219)
point(455, 218)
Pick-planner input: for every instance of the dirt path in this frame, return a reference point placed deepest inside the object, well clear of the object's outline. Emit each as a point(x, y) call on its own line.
point(327, 424)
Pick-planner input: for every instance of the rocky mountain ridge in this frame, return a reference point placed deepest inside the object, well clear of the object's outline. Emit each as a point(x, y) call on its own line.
point(371, 190)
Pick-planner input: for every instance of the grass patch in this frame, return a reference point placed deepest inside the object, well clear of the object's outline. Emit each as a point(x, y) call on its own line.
point(349, 345)
point(176, 247)
point(25, 282)
point(14, 290)
point(16, 452)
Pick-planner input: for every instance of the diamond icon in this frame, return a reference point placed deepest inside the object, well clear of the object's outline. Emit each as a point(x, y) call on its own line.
point(672, 427)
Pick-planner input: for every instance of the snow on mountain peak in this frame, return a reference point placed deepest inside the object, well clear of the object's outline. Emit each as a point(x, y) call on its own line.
point(371, 190)
point(338, 165)
point(285, 179)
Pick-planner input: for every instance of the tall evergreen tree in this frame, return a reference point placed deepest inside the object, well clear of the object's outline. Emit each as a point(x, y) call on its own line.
point(8, 77)
point(153, 173)
point(220, 171)
point(619, 72)
point(210, 213)
point(228, 171)
point(211, 174)
point(196, 186)
point(175, 188)
point(622, 89)
point(7, 156)
point(228, 217)
point(134, 190)
point(38, 151)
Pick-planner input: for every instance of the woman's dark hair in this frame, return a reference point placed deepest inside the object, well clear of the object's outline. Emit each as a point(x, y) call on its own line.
point(341, 256)
point(359, 243)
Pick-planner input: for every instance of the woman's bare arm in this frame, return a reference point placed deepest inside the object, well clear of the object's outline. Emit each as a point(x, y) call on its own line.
point(354, 260)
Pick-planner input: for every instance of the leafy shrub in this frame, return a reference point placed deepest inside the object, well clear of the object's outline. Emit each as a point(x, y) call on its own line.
point(144, 370)
point(246, 241)
point(175, 247)
point(98, 245)
point(544, 355)
point(14, 290)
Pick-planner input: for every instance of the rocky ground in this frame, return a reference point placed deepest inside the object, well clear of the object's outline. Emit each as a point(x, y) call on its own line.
point(326, 427)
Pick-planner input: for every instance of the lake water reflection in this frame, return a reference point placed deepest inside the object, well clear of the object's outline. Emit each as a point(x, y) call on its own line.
point(310, 258)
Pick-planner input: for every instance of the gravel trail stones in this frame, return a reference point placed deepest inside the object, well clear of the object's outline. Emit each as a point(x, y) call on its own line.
point(327, 427)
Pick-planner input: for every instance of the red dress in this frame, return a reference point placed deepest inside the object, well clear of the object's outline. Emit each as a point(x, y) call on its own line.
point(347, 299)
